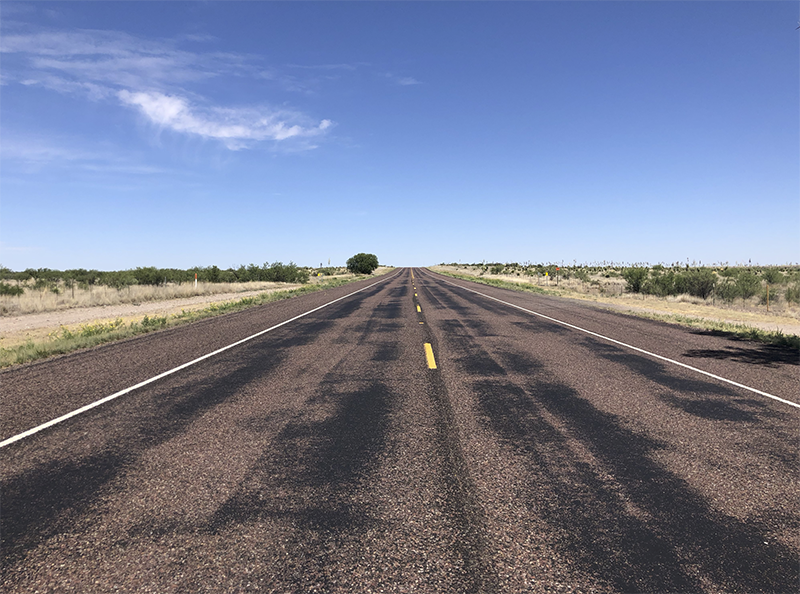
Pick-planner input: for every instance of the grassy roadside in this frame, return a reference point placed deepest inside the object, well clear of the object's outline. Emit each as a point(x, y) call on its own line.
point(774, 337)
point(496, 282)
point(742, 331)
point(89, 335)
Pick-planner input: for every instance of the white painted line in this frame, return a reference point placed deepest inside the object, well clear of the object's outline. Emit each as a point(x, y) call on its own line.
point(97, 403)
point(628, 346)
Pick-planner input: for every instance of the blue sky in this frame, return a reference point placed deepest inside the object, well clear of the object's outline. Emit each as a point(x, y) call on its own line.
point(176, 134)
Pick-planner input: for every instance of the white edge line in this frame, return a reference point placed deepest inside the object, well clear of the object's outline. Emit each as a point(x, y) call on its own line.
point(97, 403)
point(673, 361)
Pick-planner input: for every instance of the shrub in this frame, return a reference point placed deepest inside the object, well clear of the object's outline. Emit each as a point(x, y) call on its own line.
point(362, 263)
point(697, 282)
point(727, 291)
point(119, 280)
point(660, 284)
point(154, 322)
point(148, 275)
point(792, 294)
point(498, 269)
point(774, 297)
point(635, 278)
point(13, 290)
point(582, 275)
point(748, 285)
point(278, 272)
point(773, 276)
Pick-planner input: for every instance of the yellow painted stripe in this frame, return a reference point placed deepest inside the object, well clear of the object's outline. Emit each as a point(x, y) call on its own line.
point(429, 356)
point(415, 294)
point(419, 310)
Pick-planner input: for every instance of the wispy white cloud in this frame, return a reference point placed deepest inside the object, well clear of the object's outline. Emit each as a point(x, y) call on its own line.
point(236, 128)
point(152, 78)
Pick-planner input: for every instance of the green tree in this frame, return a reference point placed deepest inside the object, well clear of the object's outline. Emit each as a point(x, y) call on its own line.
point(634, 277)
point(362, 263)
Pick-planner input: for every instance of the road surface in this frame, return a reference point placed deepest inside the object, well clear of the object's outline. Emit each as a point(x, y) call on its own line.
point(423, 434)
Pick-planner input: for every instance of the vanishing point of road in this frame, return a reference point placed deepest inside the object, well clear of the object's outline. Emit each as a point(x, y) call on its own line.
point(407, 433)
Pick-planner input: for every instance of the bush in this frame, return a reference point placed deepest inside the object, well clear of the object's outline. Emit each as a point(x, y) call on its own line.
point(748, 285)
point(774, 297)
point(13, 290)
point(792, 294)
point(660, 284)
point(697, 282)
point(635, 278)
point(278, 272)
point(727, 291)
point(362, 263)
point(773, 276)
point(498, 269)
point(582, 275)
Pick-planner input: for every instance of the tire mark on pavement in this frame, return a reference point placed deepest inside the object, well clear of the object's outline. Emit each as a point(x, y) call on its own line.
point(463, 506)
point(614, 511)
point(52, 497)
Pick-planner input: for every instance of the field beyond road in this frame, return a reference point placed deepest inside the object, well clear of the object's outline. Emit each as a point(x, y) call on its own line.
point(39, 318)
point(610, 293)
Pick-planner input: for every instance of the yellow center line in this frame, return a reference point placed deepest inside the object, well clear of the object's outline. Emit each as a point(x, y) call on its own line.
point(429, 356)
point(419, 310)
point(415, 294)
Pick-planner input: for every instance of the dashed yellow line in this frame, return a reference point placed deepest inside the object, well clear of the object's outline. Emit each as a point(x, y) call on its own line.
point(429, 356)
point(419, 310)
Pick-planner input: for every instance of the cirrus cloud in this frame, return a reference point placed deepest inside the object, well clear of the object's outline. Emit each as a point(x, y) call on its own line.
point(236, 128)
point(151, 76)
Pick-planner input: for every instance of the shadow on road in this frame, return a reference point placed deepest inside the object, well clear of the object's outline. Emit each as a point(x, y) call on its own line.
point(648, 532)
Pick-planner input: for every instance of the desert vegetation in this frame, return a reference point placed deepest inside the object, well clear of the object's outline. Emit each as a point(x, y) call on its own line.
point(752, 302)
point(44, 289)
point(746, 286)
point(66, 339)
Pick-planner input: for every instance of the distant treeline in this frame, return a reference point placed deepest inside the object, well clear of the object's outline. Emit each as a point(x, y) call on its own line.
point(150, 275)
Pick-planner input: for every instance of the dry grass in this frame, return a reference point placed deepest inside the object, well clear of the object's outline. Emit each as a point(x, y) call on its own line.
point(611, 291)
point(35, 301)
point(46, 341)
point(38, 301)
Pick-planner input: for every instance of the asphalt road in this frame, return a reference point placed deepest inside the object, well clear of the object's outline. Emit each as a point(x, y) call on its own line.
point(334, 454)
